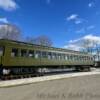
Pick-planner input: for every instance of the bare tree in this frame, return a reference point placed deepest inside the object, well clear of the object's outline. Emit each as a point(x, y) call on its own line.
point(29, 39)
point(9, 31)
point(40, 40)
point(86, 44)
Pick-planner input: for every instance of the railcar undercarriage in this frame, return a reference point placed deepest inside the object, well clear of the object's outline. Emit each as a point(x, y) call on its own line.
point(26, 72)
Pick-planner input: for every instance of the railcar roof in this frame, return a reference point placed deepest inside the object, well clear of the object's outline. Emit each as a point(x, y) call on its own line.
point(31, 44)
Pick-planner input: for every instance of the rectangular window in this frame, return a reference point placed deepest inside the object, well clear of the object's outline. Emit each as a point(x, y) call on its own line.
point(49, 55)
point(66, 57)
point(91, 58)
point(80, 57)
point(54, 56)
point(75, 57)
point(31, 53)
point(44, 54)
point(23, 53)
point(85, 58)
point(71, 57)
point(63, 56)
point(14, 52)
point(59, 56)
point(37, 54)
point(1, 51)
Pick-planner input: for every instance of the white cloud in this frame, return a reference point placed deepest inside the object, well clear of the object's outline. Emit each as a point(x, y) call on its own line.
point(76, 44)
point(3, 20)
point(78, 21)
point(72, 47)
point(8, 4)
point(91, 4)
point(92, 38)
point(72, 17)
point(87, 37)
point(75, 18)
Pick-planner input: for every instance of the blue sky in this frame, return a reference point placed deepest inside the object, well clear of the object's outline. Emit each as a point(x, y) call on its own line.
point(61, 20)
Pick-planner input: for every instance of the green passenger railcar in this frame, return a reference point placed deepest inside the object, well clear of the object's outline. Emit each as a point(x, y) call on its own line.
point(15, 54)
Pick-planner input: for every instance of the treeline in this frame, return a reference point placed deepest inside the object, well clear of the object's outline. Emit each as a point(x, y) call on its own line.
point(13, 32)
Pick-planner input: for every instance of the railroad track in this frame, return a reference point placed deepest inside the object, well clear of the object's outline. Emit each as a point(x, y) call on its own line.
point(47, 73)
point(16, 82)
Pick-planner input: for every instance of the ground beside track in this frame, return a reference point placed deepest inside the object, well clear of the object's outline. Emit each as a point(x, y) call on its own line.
point(76, 88)
point(48, 77)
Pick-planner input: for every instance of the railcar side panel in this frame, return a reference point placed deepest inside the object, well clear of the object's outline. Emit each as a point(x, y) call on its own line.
point(9, 61)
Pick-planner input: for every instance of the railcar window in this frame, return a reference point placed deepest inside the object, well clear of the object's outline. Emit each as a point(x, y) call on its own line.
point(74, 57)
point(44, 54)
point(66, 57)
point(82, 57)
point(91, 58)
point(54, 55)
point(88, 58)
point(63, 56)
point(85, 58)
point(23, 53)
point(1, 51)
point(71, 57)
point(14, 52)
point(59, 56)
point(37, 54)
point(49, 55)
point(79, 57)
point(31, 53)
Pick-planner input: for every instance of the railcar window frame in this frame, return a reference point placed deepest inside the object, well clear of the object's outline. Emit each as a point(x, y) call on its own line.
point(59, 56)
point(49, 55)
point(2, 50)
point(31, 53)
point(54, 55)
point(14, 52)
point(63, 56)
point(37, 54)
point(68, 56)
point(44, 54)
point(71, 57)
point(23, 53)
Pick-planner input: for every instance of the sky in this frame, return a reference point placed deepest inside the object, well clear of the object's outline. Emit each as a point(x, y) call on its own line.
point(64, 21)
